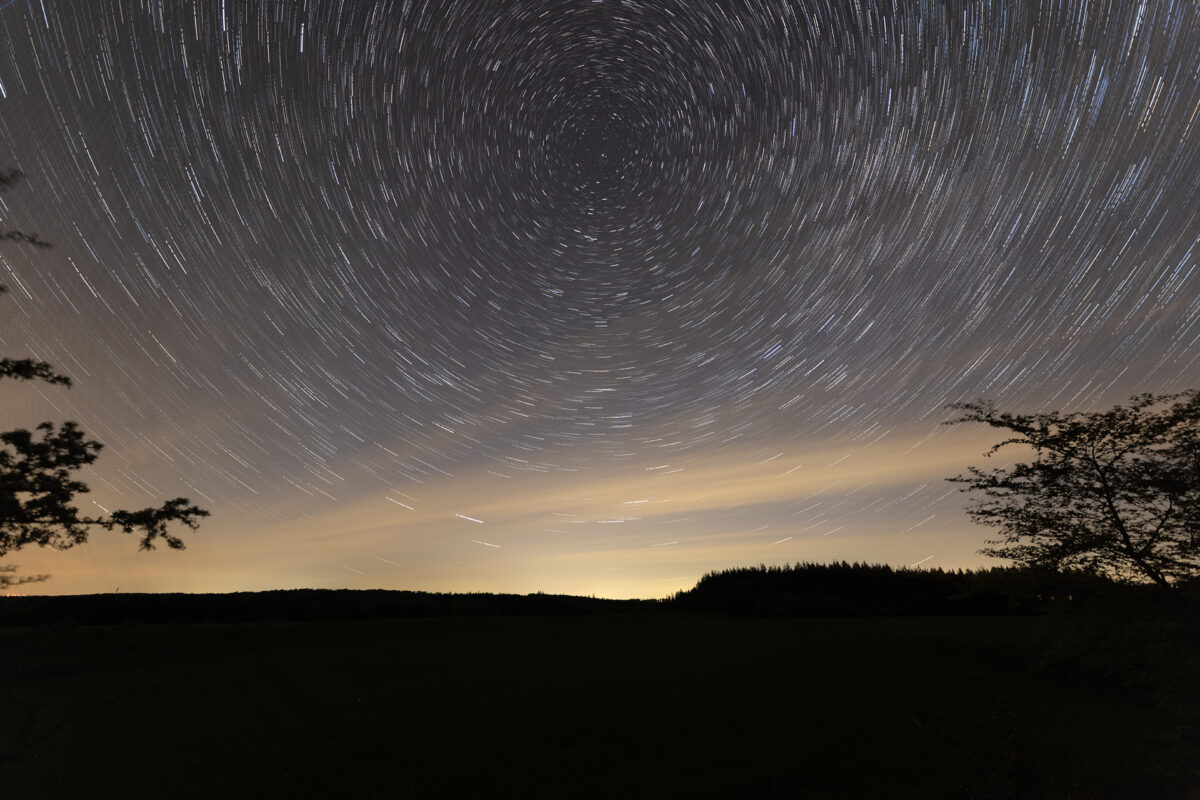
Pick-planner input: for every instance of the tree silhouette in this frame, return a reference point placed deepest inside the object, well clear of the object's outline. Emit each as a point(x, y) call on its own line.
point(8, 179)
point(37, 483)
point(1114, 493)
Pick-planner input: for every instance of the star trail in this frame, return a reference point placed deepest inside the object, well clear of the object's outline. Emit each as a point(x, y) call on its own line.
point(579, 296)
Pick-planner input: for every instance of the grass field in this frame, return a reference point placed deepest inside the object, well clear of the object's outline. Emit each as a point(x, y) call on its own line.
point(647, 705)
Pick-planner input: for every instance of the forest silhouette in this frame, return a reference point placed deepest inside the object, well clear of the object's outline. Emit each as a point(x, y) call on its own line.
point(801, 590)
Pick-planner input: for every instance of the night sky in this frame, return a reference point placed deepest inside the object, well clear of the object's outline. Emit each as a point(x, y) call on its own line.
point(583, 296)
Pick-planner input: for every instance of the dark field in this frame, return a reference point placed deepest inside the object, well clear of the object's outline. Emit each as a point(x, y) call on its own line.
point(637, 705)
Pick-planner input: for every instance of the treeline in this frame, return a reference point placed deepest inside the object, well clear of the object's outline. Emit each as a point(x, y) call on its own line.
point(804, 589)
point(862, 589)
point(292, 605)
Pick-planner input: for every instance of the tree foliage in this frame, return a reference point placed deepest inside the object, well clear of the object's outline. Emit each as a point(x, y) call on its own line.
point(38, 486)
point(1115, 493)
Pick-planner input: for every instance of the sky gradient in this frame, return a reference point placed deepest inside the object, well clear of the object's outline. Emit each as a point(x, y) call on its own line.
point(583, 297)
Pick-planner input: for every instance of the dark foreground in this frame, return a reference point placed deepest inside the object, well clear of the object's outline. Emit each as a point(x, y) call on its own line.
point(604, 705)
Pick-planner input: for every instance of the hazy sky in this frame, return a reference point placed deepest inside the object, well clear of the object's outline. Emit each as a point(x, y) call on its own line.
point(581, 296)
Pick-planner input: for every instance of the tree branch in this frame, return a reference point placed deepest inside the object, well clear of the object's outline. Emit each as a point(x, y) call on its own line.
point(26, 369)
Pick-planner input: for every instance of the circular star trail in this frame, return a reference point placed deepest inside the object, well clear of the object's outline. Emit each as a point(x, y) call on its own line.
point(308, 253)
